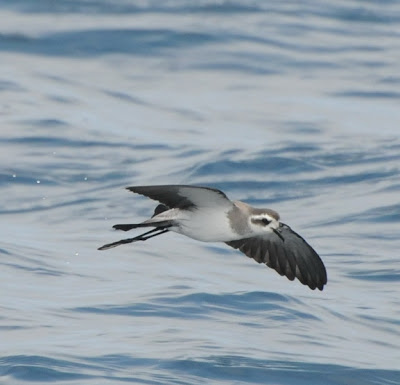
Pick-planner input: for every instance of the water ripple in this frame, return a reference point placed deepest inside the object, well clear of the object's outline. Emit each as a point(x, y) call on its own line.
point(217, 368)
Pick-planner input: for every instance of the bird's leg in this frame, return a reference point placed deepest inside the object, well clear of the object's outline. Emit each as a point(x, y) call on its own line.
point(141, 237)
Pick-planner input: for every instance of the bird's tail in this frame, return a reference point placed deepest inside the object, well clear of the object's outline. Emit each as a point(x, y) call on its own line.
point(150, 222)
point(130, 226)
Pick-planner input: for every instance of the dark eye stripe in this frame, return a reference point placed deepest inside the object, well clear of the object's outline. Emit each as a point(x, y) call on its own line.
point(263, 221)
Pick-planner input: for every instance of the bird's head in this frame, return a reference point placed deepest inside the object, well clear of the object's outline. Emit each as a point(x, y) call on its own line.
point(264, 221)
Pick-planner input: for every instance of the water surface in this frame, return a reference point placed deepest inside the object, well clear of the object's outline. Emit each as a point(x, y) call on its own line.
point(283, 105)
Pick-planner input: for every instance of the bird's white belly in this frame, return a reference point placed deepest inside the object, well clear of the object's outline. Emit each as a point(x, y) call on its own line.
point(207, 225)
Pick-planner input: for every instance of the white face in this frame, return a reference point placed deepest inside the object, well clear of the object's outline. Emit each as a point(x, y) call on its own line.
point(263, 223)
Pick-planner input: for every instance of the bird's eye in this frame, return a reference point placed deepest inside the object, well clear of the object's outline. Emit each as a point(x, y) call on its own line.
point(265, 221)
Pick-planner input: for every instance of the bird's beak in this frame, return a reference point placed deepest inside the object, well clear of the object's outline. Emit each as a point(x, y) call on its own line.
point(278, 233)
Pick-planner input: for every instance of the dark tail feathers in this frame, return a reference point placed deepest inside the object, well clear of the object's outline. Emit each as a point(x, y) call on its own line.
point(127, 227)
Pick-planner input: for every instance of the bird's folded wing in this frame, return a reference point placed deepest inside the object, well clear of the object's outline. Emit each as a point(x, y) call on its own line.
point(184, 197)
point(292, 256)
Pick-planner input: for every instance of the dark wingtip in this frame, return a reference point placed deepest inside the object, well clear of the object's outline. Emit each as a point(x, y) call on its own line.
point(132, 188)
point(316, 283)
point(320, 285)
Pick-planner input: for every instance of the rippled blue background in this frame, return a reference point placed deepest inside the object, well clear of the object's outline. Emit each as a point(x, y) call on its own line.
point(288, 105)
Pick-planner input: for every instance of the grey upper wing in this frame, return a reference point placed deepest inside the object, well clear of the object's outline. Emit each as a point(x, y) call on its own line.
point(183, 196)
point(292, 256)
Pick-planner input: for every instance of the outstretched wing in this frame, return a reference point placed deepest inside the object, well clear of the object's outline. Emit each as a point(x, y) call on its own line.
point(289, 255)
point(183, 196)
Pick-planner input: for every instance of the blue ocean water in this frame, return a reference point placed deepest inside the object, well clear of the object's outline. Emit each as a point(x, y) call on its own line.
point(288, 105)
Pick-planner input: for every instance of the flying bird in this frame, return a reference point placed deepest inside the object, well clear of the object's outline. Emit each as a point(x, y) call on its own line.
point(208, 215)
